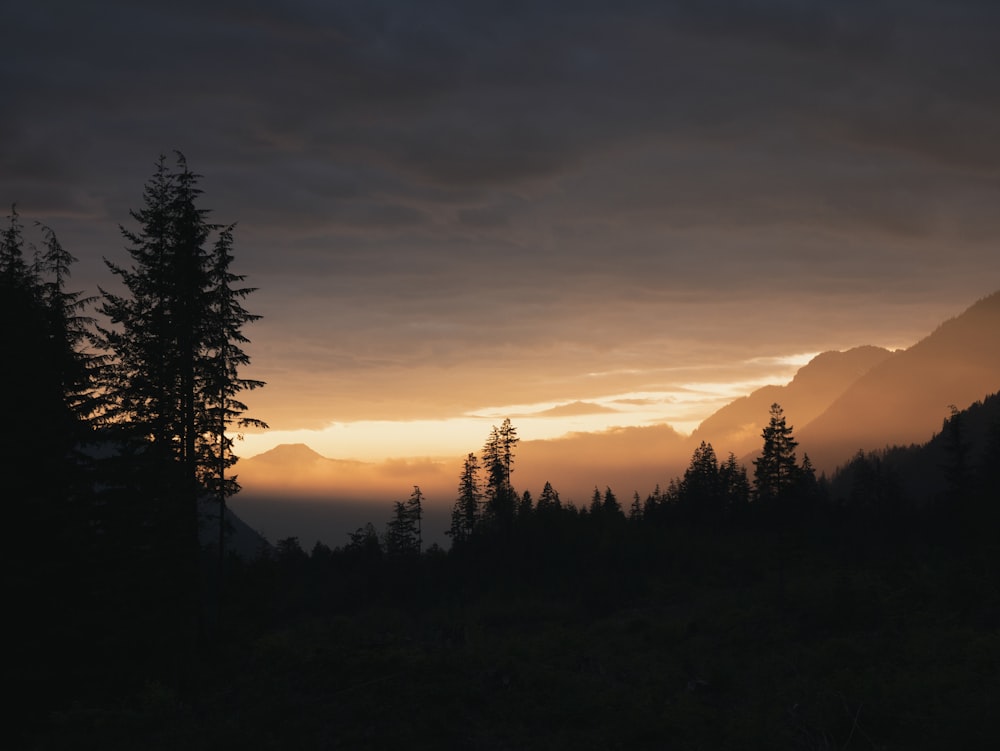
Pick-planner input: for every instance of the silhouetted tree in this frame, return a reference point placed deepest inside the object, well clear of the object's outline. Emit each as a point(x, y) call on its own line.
point(53, 561)
point(415, 508)
point(635, 510)
point(466, 512)
point(735, 485)
point(775, 470)
point(700, 492)
point(609, 504)
point(526, 505)
point(402, 533)
point(956, 466)
point(364, 542)
point(498, 460)
point(175, 338)
point(46, 367)
point(222, 381)
point(548, 500)
point(595, 502)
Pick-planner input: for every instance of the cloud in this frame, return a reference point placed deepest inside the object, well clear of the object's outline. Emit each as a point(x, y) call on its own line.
point(442, 202)
point(575, 408)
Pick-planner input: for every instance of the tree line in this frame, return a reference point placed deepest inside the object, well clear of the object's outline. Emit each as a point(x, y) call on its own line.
point(489, 510)
point(945, 482)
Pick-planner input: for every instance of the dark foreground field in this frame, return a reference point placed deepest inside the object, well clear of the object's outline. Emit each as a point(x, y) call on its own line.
point(682, 638)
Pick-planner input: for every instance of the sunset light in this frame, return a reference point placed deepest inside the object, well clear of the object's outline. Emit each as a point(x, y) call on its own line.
point(375, 440)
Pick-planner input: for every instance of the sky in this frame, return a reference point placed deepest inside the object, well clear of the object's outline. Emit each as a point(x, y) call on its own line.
point(577, 214)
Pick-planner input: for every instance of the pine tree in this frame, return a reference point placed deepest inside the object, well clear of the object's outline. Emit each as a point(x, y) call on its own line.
point(498, 460)
point(44, 334)
point(174, 338)
point(401, 535)
point(735, 486)
point(47, 483)
point(221, 382)
point(526, 505)
point(548, 500)
point(635, 510)
point(700, 492)
point(415, 508)
point(466, 512)
point(775, 470)
point(595, 502)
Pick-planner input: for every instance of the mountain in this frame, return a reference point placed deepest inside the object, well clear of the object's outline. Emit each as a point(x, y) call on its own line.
point(737, 427)
point(295, 468)
point(241, 538)
point(921, 474)
point(905, 398)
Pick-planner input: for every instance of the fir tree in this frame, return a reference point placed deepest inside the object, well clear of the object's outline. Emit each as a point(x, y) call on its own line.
point(548, 500)
point(221, 382)
point(775, 470)
point(466, 512)
point(174, 338)
point(498, 460)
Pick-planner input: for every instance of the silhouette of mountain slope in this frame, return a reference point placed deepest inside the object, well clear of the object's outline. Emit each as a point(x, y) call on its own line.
point(241, 538)
point(737, 427)
point(905, 398)
point(920, 472)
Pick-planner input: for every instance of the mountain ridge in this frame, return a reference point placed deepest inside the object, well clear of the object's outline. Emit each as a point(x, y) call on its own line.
point(905, 398)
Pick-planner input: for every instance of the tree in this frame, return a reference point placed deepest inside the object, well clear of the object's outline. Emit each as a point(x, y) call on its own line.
point(735, 485)
point(548, 500)
point(498, 460)
point(635, 510)
point(364, 542)
point(775, 470)
point(69, 331)
point(415, 508)
point(956, 467)
point(222, 381)
point(595, 502)
point(401, 533)
point(46, 377)
point(700, 492)
point(526, 505)
point(174, 338)
point(43, 333)
point(465, 513)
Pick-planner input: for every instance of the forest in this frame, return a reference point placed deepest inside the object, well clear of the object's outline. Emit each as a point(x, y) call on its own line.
point(741, 606)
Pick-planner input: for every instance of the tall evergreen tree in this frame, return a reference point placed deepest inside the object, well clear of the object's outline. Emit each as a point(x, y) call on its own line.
point(401, 532)
point(700, 492)
point(174, 336)
point(498, 461)
point(44, 336)
point(47, 483)
point(221, 382)
point(465, 513)
point(415, 508)
point(735, 485)
point(548, 499)
point(775, 470)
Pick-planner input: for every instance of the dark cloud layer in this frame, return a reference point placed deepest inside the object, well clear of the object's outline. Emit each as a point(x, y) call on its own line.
point(435, 186)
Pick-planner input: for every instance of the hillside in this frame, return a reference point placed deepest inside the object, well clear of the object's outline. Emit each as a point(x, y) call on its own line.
point(737, 427)
point(905, 398)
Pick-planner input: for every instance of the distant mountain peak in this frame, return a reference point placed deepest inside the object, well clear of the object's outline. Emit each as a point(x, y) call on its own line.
point(288, 452)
